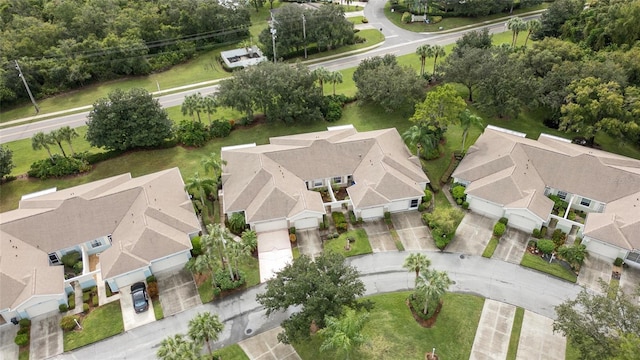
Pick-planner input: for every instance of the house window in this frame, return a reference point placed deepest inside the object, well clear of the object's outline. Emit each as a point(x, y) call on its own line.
point(585, 202)
point(318, 183)
point(337, 179)
point(414, 203)
point(53, 259)
point(96, 243)
point(633, 256)
point(547, 191)
point(562, 195)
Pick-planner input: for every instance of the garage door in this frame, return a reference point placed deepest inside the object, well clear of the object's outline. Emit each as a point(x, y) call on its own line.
point(485, 208)
point(602, 250)
point(270, 225)
point(128, 279)
point(373, 213)
point(522, 223)
point(176, 261)
point(399, 205)
point(43, 308)
point(308, 223)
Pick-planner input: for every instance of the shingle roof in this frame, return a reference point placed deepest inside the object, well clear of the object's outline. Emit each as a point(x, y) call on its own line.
point(268, 181)
point(513, 171)
point(148, 217)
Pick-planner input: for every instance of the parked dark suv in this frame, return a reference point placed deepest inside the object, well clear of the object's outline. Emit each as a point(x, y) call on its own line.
point(140, 297)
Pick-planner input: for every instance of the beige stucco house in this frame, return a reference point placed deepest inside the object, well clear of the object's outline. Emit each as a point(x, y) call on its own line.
point(508, 175)
point(280, 185)
point(134, 226)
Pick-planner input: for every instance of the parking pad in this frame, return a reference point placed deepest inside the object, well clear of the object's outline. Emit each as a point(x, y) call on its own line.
point(46, 337)
point(177, 291)
point(309, 242)
point(8, 349)
point(265, 346)
point(593, 269)
point(473, 234)
point(379, 236)
point(130, 318)
point(538, 341)
point(512, 246)
point(413, 234)
point(629, 282)
point(494, 331)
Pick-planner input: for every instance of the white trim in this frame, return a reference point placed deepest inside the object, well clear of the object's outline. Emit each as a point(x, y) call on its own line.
point(235, 147)
point(38, 193)
point(340, 127)
point(506, 131)
point(557, 138)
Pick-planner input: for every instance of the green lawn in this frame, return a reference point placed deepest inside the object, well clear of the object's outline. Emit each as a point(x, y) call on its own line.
point(157, 309)
point(249, 266)
point(515, 334)
point(371, 37)
point(231, 352)
point(359, 247)
point(356, 19)
point(571, 353)
point(101, 323)
point(491, 247)
point(23, 354)
point(449, 23)
point(537, 263)
point(392, 333)
point(295, 252)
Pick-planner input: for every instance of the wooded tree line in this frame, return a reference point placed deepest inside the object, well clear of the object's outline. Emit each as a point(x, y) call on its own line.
point(64, 44)
point(325, 28)
point(471, 8)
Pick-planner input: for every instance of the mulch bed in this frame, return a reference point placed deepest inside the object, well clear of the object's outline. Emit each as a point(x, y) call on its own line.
point(425, 323)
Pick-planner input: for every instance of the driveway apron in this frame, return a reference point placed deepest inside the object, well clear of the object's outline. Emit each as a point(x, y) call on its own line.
point(46, 337)
point(266, 346)
point(309, 242)
point(177, 292)
point(379, 236)
point(538, 341)
point(494, 331)
point(413, 234)
point(512, 246)
point(8, 349)
point(473, 235)
point(593, 269)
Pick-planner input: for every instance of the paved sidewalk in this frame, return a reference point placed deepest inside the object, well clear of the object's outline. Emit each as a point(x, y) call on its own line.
point(494, 331)
point(538, 341)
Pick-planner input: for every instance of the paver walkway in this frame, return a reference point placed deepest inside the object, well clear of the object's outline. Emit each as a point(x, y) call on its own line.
point(538, 341)
point(494, 331)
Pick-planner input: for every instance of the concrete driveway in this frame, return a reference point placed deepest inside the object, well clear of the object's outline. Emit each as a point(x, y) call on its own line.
point(494, 331)
point(8, 349)
point(130, 318)
point(177, 292)
point(379, 236)
point(473, 235)
point(594, 269)
point(309, 242)
point(274, 252)
point(413, 234)
point(46, 337)
point(629, 282)
point(538, 341)
point(512, 246)
point(265, 346)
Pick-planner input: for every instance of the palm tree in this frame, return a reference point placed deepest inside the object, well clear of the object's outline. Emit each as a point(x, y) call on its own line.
point(468, 119)
point(177, 348)
point(322, 75)
point(68, 134)
point(432, 285)
point(237, 222)
point(204, 328)
point(202, 263)
point(250, 240)
point(58, 138)
point(436, 51)
point(416, 262)
point(344, 334)
point(420, 137)
point(192, 104)
point(200, 187)
point(213, 163)
point(41, 140)
point(335, 78)
point(219, 237)
point(237, 251)
point(423, 51)
point(516, 25)
point(533, 26)
point(209, 105)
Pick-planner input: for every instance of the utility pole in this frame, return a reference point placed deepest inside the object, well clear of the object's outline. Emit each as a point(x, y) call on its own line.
point(24, 81)
point(304, 34)
point(273, 40)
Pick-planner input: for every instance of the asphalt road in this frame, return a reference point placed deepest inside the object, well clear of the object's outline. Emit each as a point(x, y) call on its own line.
point(397, 41)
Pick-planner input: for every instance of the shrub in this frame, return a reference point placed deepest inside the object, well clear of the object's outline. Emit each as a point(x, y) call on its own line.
point(536, 233)
point(465, 205)
point(352, 217)
point(77, 267)
point(387, 216)
point(558, 237)
point(546, 246)
point(151, 279)
point(499, 229)
point(95, 301)
point(543, 232)
point(293, 238)
point(422, 207)
point(24, 323)
point(71, 258)
point(85, 308)
point(406, 17)
point(68, 323)
point(191, 133)
point(435, 19)
point(503, 220)
point(24, 330)
point(365, 20)
point(60, 166)
point(22, 339)
point(292, 230)
point(618, 262)
point(338, 218)
point(428, 196)
point(342, 227)
point(63, 307)
point(72, 302)
point(459, 201)
point(224, 281)
point(152, 289)
point(458, 192)
point(220, 128)
point(196, 246)
point(572, 215)
point(237, 223)
point(333, 111)
point(86, 296)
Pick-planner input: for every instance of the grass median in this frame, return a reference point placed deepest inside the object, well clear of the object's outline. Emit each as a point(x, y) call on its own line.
point(102, 322)
point(537, 263)
point(359, 246)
